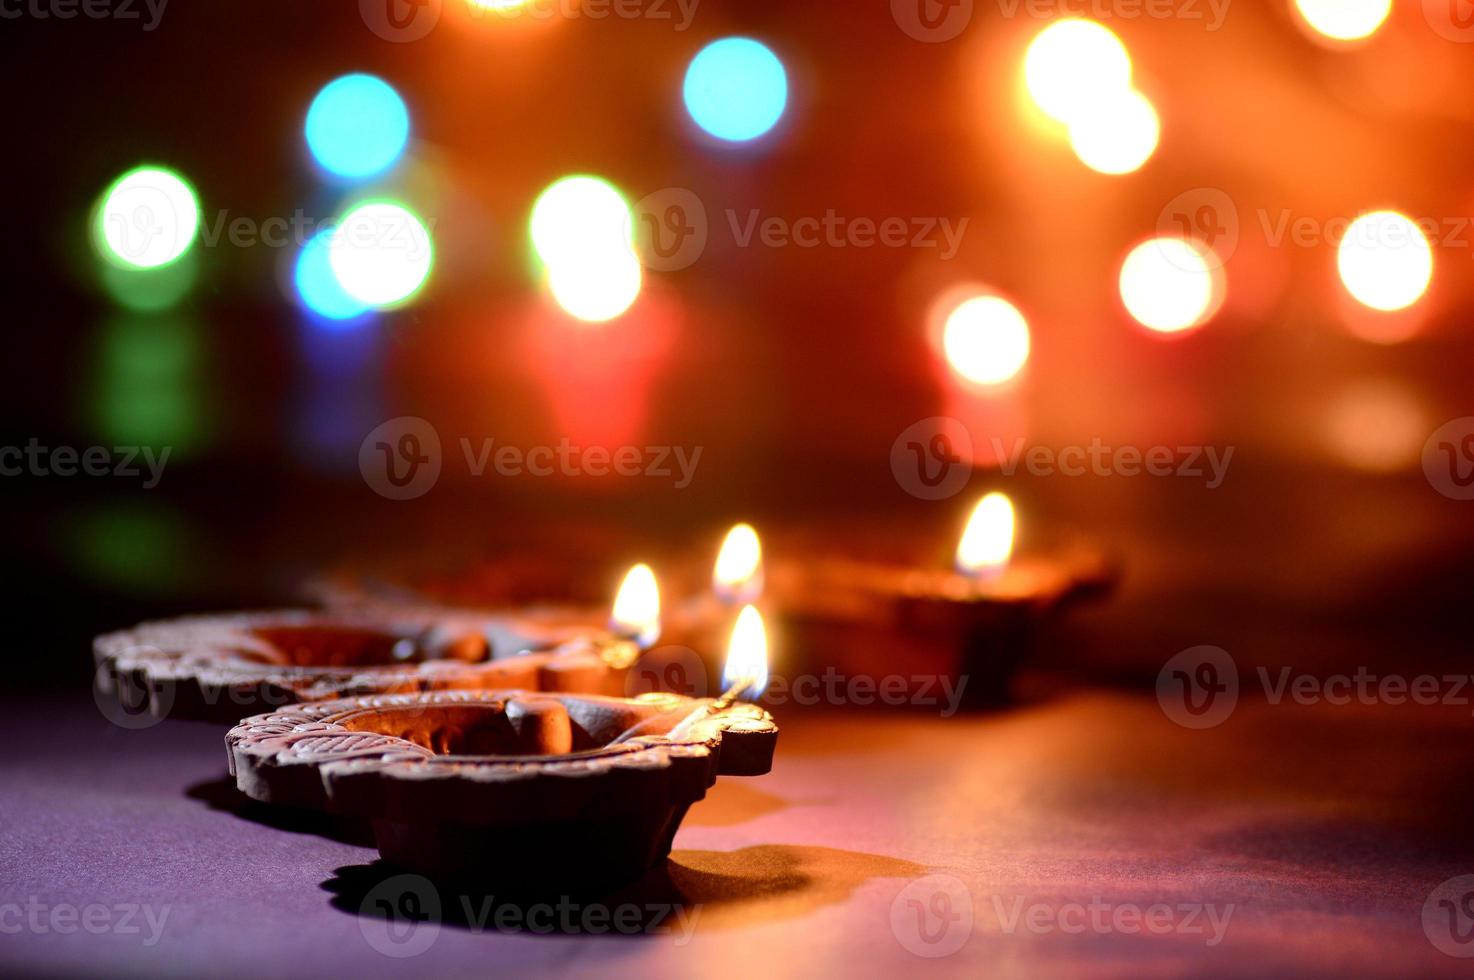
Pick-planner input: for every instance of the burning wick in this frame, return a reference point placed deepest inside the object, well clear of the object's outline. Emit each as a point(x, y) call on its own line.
point(738, 575)
point(746, 671)
point(636, 614)
point(987, 543)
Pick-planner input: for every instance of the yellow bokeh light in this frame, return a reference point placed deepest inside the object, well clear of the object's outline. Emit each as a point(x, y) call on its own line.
point(1118, 135)
point(738, 574)
point(1376, 426)
point(747, 655)
point(986, 340)
point(1385, 261)
point(1170, 284)
point(637, 606)
point(1072, 65)
point(987, 541)
point(1344, 20)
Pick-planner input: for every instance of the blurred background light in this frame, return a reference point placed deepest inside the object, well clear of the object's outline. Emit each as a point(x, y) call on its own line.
point(1170, 284)
point(1072, 65)
point(578, 217)
point(381, 253)
point(147, 390)
point(1118, 135)
point(150, 290)
point(357, 126)
point(317, 285)
point(598, 287)
point(986, 340)
point(1344, 20)
point(147, 218)
point(1385, 261)
point(736, 89)
point(1376, 426)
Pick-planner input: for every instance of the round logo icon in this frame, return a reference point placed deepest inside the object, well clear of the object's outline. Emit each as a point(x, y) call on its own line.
point(400, 460)
point(1448, 917)
point(1452, 20)
point(124, 703)
point(932, 459)
point(932, 916)
point(932, 21)
point(400, 916)
point(672, 669)
point(1205, 215)
point(670, 229)
point(1448, 459)
point(400, 21)
point(1199, 687)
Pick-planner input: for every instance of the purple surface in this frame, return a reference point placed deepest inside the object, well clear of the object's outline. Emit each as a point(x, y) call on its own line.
point(1326, 829)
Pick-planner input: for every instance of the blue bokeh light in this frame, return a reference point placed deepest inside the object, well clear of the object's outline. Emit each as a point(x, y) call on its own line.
point(736, 89)
point(357, 126)
point(318, 287)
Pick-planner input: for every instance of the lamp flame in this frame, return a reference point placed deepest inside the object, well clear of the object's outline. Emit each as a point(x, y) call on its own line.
point(987, 543)
point(637, 607)
point(746, 671)
point(738, 575)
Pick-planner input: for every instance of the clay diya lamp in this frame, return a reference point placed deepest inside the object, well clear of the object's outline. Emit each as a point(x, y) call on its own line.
point(219, 668)
point(553, 791)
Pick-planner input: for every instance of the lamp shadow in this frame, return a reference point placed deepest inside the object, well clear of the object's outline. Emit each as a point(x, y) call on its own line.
point(694, 891)
point(221, 794)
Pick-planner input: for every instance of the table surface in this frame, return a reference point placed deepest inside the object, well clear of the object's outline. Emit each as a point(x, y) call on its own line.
point(1086, 835)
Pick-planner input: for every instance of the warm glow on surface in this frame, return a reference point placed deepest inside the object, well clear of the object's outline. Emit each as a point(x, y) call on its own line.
point(738, 575)
point(1344, 20)
point(1074, 64)
point(986, 340)
point(598, 287)
point(1169, 285)
point(637, 606)
point(987, 542)
point(381, 253)
point(1385, 261)
point(1118, 135)
point(747, 655)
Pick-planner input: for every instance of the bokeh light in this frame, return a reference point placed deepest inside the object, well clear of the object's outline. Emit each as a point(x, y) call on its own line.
point(357, 126)
point(317, 285)
point(986, 340)
point(1118, 135)
point(1385, 261)
point(150, 290)
point(1377, 426)
point(381, 253)
point(596, 288)
point(736, 89)
point(147, 218)
point(1344, 20)
point(1074, 64)
point(1170, 284)
point(579, 217)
